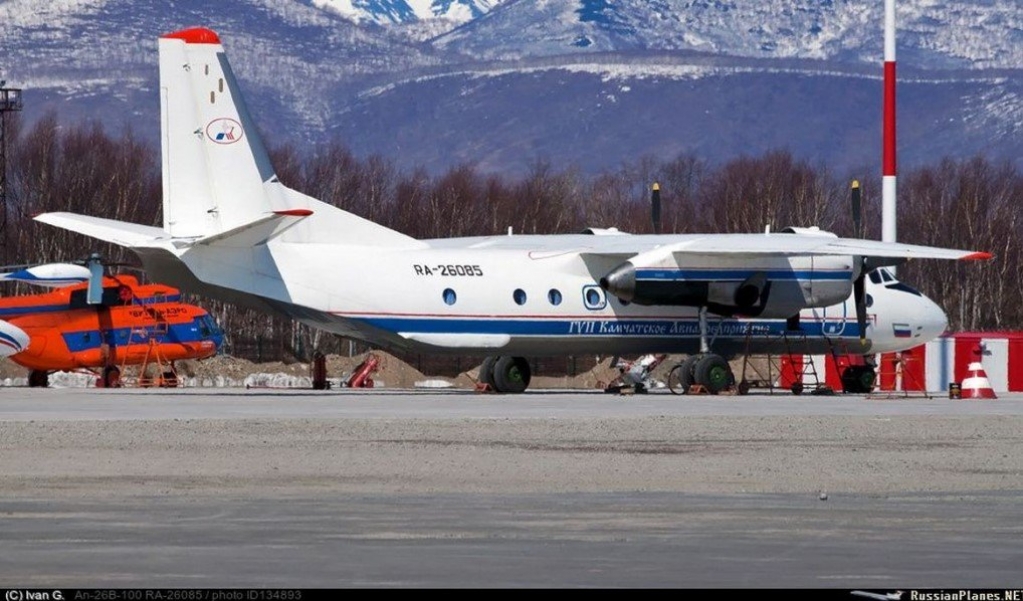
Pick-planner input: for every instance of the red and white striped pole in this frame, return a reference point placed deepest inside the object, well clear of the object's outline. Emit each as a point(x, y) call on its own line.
point(888, 214)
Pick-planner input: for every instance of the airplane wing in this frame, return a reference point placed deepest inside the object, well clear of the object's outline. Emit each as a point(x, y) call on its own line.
point(760, 245)
point(792, 245)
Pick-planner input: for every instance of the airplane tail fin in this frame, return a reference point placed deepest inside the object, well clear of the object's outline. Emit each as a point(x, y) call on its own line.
point(217, 176)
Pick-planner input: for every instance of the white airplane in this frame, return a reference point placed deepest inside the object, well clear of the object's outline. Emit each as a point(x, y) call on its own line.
point(232, 230)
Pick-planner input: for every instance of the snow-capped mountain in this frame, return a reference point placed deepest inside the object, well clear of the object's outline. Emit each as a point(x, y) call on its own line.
point(932, 33)
point(586, 82)
point(390, 12)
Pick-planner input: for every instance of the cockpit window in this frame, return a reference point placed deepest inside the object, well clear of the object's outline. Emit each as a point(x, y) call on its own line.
point(886, 276)
point(208, 327)
point(904, 287)
point(875, 276)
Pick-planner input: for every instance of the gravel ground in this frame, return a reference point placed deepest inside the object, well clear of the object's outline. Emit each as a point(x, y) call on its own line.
point(710, 454)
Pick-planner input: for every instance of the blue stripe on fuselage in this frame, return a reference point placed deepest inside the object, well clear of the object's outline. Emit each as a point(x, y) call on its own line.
point(8, 312)
point(645, 328)
point(176, 333)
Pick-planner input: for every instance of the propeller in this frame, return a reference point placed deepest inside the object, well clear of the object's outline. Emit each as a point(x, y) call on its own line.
point(859, 284)
point(655, 207)
point(95, 264)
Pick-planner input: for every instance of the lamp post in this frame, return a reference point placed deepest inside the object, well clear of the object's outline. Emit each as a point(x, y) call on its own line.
point(10, 102)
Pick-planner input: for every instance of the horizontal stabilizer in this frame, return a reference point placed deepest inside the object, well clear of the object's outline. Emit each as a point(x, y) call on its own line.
point(110, 230)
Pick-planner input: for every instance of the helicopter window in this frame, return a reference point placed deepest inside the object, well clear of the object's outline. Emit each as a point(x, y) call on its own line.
point(111, 298)
point(875, 276)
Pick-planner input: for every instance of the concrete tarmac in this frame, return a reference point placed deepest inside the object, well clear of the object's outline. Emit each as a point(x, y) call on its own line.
point(270, 488)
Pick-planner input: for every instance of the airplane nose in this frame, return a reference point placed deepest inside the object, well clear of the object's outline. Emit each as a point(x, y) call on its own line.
point(933, 320)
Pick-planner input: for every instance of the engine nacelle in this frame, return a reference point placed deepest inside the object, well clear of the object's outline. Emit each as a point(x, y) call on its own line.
point(774, 287)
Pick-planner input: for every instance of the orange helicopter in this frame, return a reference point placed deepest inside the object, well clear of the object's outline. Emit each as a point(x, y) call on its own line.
point(96, 322)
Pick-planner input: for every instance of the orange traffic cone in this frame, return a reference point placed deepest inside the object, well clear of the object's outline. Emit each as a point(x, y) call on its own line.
point(976, 385)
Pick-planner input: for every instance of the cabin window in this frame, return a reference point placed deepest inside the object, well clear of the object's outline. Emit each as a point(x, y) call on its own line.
point(449, 296)
point(593, 298)
point(520, 296)
point(554, 296)
point(875, 276)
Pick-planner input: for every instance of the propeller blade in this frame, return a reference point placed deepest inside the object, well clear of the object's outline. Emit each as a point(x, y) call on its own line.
point(655, 207)
point(857, 214)
point(860, 294)
point(50, 275)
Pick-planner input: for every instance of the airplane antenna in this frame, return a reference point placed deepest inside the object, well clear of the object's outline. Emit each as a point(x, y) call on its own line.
point(655, 207)
point(888, 213)
point(10, 102)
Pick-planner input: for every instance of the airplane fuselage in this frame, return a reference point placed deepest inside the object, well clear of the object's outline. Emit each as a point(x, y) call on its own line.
point(507, 295)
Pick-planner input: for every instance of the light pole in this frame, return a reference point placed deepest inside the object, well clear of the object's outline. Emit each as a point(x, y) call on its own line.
point(10, 101)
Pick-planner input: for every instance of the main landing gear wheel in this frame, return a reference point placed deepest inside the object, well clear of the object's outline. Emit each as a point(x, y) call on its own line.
point(511, 374)
point(112, 377)
point(487, 372)
point(858, 379)
point(708, 370)
point(682, 376)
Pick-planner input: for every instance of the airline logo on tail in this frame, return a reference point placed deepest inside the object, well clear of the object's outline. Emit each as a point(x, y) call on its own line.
point(224, 131)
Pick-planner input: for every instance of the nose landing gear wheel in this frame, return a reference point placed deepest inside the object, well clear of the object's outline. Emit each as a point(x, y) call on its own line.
point(713, 372)
point(38, 378)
